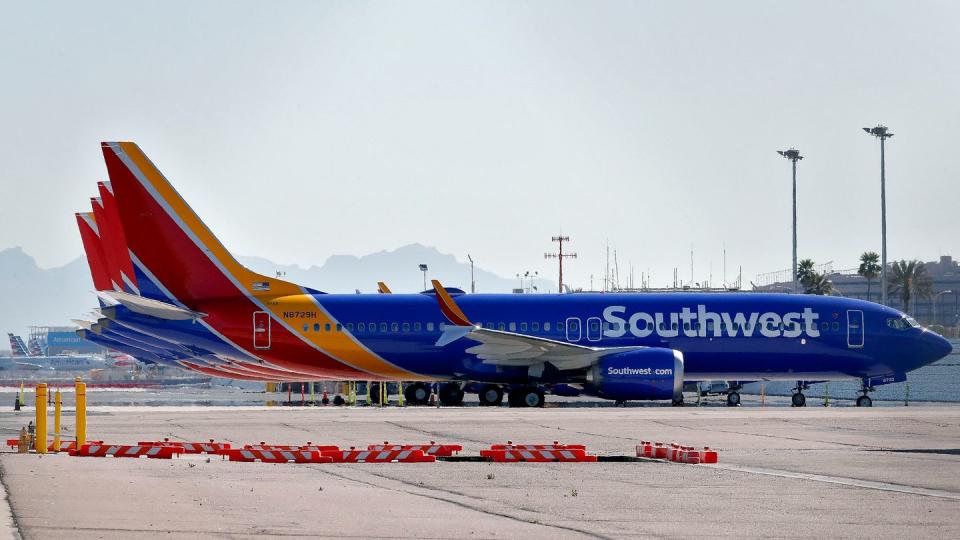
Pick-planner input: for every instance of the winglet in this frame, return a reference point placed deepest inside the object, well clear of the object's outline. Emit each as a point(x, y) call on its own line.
point(448, 307)
point(382, 287)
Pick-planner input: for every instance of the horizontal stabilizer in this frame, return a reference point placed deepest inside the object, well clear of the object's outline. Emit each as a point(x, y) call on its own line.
point(154, 308)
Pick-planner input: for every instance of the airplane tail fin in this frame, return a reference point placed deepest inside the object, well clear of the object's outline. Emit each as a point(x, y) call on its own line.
point(17, 348)
point(169, 241)
point(96, 258)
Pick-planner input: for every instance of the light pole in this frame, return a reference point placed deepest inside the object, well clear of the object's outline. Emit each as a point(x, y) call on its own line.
point(794, 156)
point(423, 268)
point(935, 297)
point(473, 287)
point(883, 134)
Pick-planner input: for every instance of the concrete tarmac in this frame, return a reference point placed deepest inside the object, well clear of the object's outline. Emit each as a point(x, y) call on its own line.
point(885, 472)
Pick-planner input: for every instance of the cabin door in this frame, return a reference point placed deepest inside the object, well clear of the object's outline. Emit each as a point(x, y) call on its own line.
point(261, 330)
point(573, 329)
point(854, 328)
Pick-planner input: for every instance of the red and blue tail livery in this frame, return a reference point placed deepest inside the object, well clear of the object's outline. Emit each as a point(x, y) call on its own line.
point(172, 294)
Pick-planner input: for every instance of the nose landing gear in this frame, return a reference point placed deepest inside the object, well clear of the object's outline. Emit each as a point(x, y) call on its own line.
point(798, 399)
point(865, 388)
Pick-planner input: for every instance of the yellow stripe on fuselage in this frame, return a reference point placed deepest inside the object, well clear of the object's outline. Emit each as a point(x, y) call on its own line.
point(283, 296)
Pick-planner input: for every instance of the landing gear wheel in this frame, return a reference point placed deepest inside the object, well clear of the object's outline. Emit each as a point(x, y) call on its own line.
point(417, 394)
point(733, 399)
point(677, 402)
point(491, 395)
point(526, 396)
point(451, 395)
point(799, 400)
point(338, 400)
point(864, 401)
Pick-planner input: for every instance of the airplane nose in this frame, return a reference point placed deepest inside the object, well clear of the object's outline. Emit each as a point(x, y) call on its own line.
point(937, 345)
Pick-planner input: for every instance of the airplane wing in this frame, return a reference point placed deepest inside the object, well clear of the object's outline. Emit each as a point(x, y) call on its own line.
point(511, 349)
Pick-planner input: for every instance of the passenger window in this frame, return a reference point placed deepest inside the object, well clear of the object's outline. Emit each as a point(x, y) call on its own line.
point(513, 327)
point(535, 326)
point(490, 325)
point(394, 327)
point(339, 327)
point(362, 327)
point(417, 327)
point(406, 327)
point(594, 326)
point(836, 327)
point(546, 327)
point(316, 327)
point(306, 328)
point(824, 326)
point(383, 327)
point(501, 326)
point(523, 327)
point(429, 327)
point(560, 327)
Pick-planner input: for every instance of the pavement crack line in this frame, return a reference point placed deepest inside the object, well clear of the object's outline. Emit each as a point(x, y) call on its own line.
point(852, 482)
point(437, 434)
point(747, 434)
point(428, 495)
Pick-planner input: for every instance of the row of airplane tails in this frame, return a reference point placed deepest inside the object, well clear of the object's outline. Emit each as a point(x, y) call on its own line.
point(170, 293)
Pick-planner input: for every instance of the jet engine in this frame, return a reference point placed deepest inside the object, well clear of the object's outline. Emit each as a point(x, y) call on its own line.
point(641, 374)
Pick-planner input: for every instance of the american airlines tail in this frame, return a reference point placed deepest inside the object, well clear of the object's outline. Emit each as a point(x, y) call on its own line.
point(17, 347)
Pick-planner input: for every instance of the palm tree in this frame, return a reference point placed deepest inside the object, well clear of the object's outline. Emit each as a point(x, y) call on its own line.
point(818, 283)
point(869, 268)
point(911, 281)
point(805, 272)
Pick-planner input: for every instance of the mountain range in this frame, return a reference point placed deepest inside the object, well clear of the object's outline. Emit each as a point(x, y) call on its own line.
point(34, 296)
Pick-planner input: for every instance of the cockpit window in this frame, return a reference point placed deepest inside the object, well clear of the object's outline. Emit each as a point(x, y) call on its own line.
point(902, 323)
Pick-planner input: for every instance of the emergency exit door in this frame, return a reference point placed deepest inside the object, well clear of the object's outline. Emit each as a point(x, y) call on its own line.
point(261, 330)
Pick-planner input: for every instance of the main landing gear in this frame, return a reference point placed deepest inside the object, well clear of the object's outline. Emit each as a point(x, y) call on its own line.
point(525, 396)
point(798, 399)
point(451, 395)
point(864, 400)
point(491, 395)
point(417, 394)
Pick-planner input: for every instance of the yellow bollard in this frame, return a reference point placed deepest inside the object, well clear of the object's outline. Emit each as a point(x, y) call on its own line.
point(352, 385)
point(56, 421)
point(383, 394)
point(368, 393)
point(400, 402)
point(22, 401)
point(81, 390)
point(40, 443)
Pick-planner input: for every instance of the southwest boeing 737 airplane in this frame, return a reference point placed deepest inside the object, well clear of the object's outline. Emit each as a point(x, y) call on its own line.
point(172, 294)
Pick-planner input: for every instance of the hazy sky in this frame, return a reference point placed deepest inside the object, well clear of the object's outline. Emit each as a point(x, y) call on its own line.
point(299, 130)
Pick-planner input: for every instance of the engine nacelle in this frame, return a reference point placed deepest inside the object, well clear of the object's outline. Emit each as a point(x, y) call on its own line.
point(642, 374)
